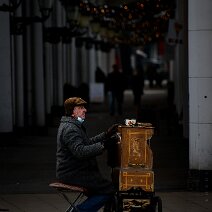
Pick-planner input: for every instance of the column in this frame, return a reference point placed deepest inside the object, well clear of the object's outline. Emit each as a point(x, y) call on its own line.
point(48, 77)
point(84, 67)
point(18, 81)
point(38, 71)
point(6, 111)
point(58, 56)
point(92, 64)
point(200, 84)
point(181, 66)
point(73, 63)
point(18, 77)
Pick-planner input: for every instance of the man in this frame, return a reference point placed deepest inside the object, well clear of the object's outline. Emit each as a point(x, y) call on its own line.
point(76, 156)
point(115, 86)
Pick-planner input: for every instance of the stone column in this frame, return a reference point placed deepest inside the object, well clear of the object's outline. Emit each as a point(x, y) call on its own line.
point(73, 63)
point(200, 84)
point(48, 77)
point(58, 57)
point(18, 81)
point(6, 111)
point(37, 69)
point(18, 77)
point(85, 65)
point(92, 64)
point(181, 65)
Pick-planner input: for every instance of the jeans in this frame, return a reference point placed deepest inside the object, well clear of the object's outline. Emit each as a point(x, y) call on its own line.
point(94, 203)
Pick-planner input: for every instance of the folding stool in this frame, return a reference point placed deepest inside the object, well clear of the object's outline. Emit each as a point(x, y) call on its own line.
point(63, 189)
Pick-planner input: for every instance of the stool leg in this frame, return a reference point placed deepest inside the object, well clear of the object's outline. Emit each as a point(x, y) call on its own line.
point(72, 204)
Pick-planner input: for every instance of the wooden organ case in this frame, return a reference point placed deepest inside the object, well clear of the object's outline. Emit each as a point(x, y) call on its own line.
point(132, 172)
point(135, 150)
point(135, 158)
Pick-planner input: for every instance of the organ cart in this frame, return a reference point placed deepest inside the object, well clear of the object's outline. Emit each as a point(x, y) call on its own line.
point(132, 174)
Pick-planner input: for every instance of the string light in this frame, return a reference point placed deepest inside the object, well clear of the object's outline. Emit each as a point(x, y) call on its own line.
point(132, 18)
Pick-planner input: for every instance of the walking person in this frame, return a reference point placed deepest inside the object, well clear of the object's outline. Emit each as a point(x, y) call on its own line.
point(115, 86)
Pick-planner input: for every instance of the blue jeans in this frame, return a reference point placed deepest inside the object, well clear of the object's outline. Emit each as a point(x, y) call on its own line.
point(94, 203)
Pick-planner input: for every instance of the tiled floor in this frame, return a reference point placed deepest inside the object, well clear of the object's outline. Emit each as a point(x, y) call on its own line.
point(171, 201)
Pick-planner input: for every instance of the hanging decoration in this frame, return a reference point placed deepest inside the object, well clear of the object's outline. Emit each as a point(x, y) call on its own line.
point(133, 22)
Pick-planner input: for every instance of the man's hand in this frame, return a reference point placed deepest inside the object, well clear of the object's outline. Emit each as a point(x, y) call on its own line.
point(111, 142)
point(112, 130)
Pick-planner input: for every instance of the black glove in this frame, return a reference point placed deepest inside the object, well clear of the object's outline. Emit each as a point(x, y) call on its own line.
point(111, 142)
point(112, 130)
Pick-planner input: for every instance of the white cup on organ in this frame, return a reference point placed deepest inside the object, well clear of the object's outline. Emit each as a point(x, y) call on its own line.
point(130, 122)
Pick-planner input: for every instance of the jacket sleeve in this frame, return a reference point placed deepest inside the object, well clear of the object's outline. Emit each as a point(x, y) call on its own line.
point(80, 146)
point(98, 138)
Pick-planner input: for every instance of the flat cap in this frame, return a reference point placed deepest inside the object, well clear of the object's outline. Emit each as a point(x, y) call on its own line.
point(70, 103)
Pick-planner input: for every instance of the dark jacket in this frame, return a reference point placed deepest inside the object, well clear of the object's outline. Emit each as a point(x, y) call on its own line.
point(76, 157)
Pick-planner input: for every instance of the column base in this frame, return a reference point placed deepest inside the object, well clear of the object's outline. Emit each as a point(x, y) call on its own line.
point(200, 180)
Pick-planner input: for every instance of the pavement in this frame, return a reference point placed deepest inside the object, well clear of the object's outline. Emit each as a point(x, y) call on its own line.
point(27, 162)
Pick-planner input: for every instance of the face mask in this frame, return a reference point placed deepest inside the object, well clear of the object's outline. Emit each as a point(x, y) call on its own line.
point(80, 120)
